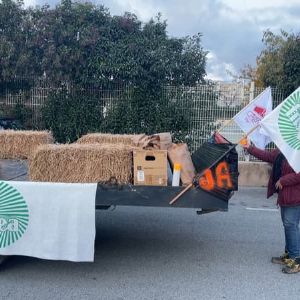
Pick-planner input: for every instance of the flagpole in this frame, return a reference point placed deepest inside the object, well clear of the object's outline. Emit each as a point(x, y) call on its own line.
point(248, 133)
point(228, 122)
point(191, 184)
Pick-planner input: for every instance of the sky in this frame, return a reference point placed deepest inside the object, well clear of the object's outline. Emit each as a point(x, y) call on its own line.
point(232, 29)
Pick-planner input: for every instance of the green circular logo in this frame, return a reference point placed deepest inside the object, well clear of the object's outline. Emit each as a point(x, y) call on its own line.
point(289, 120)
point(14, 215)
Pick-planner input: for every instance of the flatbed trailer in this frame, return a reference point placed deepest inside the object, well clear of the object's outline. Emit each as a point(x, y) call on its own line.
point(213, 186)
point(203, 196)
point(155, 196)
point(112, 194)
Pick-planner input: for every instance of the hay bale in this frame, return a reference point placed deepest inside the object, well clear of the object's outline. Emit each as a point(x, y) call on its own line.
point(20, 144)
point(82, 163)
point(154, 141)
point(107, 138)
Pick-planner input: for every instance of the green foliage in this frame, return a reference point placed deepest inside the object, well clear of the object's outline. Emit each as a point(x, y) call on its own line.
point(77, 43)
point(143, 112)
point(71, 113)
point(279, 63)
point(10, 116)
point(1, 112)
point(6, 111)
point(80, 42)
point(291, 65)
point(11, 37)
point(14, 87)
point(23, 114)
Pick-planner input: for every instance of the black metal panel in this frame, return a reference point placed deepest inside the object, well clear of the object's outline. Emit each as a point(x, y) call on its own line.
point(155, 196)
point(209, 156)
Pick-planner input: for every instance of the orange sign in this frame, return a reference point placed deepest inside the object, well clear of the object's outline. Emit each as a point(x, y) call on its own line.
point(208, 181)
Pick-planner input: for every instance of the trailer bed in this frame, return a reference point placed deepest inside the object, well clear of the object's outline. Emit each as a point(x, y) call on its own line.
point(111, 194)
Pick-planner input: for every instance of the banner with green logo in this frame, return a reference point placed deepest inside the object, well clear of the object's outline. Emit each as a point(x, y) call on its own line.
point(283, 127)
point(14, 215)
point(48, 220)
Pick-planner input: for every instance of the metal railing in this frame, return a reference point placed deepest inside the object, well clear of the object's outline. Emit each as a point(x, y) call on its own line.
point(208, 106)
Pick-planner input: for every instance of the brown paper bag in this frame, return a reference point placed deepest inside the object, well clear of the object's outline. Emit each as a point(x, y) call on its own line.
point(165, 140)
point(147, 142)
point(179, 153)
point(158, 141)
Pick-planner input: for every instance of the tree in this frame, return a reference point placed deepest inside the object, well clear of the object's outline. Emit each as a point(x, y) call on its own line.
point(11, 37)
point(72, 113)
point(291, 64)
point(149, 61)
point(77, 43)
point(278, 65)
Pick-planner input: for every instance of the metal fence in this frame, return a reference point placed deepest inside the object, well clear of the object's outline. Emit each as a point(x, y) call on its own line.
point(209, 106)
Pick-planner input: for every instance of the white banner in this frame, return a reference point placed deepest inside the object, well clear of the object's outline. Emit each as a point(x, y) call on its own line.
point(283, 127)
point(250, 116)
point(48, 220)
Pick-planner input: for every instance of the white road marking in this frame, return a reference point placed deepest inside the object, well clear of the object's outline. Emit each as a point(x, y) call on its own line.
point(262, 209)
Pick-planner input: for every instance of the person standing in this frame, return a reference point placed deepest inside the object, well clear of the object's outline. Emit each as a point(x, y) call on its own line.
point(284, 181)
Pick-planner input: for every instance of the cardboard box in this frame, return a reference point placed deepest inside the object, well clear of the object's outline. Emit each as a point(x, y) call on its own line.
point(150, 167)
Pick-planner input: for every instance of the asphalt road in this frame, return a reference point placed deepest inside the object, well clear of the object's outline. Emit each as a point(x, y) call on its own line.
point(149, 253)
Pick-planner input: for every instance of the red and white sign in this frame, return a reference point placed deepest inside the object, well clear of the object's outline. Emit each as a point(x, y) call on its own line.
point(251, 115)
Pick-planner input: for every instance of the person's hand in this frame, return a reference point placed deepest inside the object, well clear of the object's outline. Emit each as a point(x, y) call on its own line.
point(278, 185)
point(244, 143)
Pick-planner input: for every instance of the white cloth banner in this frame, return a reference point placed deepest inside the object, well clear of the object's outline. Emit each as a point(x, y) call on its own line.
point(283, 127)
point(250, 116)
point(48, 220)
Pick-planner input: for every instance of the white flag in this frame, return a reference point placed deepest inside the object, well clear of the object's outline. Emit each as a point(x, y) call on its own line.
point(283, 127)
point(250, 116)
point(48, 220)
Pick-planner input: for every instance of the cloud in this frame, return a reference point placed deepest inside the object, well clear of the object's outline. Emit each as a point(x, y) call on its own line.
point(30, 3)
point(247, 5)
point(219, 70)
point(143, 9)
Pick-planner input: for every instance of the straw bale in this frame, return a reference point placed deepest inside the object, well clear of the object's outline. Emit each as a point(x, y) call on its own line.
point(20, 144)
point(107, 138)
point(154, 141)
point(82, 163)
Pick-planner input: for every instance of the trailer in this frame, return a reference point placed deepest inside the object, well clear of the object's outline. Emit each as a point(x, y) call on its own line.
point(216, 163)
point(212, 187)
